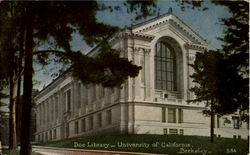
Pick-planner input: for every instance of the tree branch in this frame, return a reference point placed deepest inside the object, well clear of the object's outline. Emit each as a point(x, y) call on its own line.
point(51, 51)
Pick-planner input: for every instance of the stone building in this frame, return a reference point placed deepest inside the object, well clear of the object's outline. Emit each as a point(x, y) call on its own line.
point(154, 102)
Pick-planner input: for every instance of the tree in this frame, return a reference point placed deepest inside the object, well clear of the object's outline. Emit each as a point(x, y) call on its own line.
point(222, 75)
point(57, 20)
point(8, 61)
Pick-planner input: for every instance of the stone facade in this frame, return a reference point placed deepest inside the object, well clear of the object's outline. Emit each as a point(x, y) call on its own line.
point(67, 108)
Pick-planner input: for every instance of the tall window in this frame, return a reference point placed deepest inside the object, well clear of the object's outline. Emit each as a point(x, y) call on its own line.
point(56, 106)
point(180, 115)
point(163, 111)
point(236, 122)
point(83, 125)
point(165, 67)
point(79, 94)
point(99, 119)
point(54, 133)
point(76, 127)
point(171, 115)
point(109, 117)
point(68, 100)
point(67, 130)
point(91, 123)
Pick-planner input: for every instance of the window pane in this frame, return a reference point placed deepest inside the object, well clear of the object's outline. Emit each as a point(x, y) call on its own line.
point(158, 75)
point(169, 76)
point(164, 85)
point(169, 53)
point(158, 85)
point(164, 67)
point(171, 115)
point(163, 50)
point(164, 76)
point(158, 64)
point(163, 114)
point(158, 49)
point(169, 86)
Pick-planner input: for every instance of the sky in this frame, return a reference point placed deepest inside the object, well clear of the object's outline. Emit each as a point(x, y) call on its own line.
point(205, 23)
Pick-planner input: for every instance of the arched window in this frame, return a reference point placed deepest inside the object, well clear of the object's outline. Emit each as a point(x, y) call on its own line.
point(165, 67)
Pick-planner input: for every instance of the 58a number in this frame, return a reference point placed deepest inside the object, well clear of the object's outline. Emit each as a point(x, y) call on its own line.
point(231, 150)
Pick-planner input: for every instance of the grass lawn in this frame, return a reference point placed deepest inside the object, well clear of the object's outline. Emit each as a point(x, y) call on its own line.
point(170, 144)
point(17, 152)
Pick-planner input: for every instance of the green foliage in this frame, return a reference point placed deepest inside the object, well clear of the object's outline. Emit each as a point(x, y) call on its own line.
point(141, 8)
point(107, 68)
point(218, 82)
point(17, 152)
point(56, 21)
point(229, 87)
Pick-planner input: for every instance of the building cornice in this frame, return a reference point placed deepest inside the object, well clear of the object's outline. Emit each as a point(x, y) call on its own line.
point(172, 20)
point(195, 46)
point(51, 86)
point(143, 36)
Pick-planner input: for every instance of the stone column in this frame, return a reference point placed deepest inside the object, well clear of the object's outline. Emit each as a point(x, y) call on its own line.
point(60, 104)
point(37, 118)
point(152, 73)
point(52, 110)
point(177, 115)
point(166, 114)
point(185, 73)
point(124, 115)
point(147, 73)
point(42, 115)
point(130, 82)
point(47, 113)
point(131, 118)
point(137, 81)
point(73, 94)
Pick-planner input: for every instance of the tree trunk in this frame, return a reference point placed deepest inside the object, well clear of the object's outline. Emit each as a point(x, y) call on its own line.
point(212, 123)
point(12, 107)
point(12, 120)
point(18, 99)
point(27, 86)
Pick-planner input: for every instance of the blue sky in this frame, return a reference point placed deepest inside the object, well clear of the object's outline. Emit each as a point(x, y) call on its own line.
point(205, 23)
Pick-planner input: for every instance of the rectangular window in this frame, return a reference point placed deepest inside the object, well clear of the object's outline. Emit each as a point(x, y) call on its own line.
point(93, 93)
point(64, 102)
point(218, 121)
point(52, 109)
point(68, 100)
point(50, 135)
point(180, 115)
point(101, 91)
point(90, 123)
point(56, 106)
point(38, 138)
point(54, 133)
point(109, 117)
point(67, 130)
point(79, 94)
point(171, 115)
point(163, 111)
point(76, 127)
point(83, 124)
point(173, 131)
point(165, 131)
point(181, 132)
point(236, 122)
point(47, 112)
point(99, 119)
